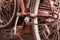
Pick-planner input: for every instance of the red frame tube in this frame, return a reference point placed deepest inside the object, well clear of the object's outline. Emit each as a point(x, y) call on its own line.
point(51, 7)
point(21, 3)
point(23, 8)
point(52, 10)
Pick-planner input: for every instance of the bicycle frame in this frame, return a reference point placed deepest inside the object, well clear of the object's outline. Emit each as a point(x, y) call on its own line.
point(23, 8)
point(35, 15)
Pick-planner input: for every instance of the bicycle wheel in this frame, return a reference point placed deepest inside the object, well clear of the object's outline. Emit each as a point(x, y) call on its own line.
point(7, 12)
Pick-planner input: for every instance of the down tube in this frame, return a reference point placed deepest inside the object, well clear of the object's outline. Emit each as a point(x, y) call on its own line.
point(35, 20)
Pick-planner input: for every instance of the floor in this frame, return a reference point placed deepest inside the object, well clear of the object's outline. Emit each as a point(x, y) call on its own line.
point(28, 36)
